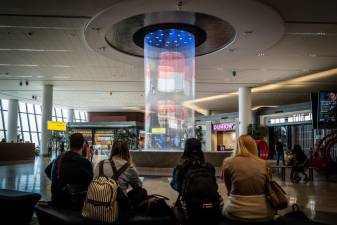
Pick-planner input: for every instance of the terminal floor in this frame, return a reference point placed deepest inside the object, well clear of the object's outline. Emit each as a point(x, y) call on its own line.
point(318, 199)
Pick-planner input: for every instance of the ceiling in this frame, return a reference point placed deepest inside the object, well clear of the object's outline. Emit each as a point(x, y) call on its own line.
point(45, 42)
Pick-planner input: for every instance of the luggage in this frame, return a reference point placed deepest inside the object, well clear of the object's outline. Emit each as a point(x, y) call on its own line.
point(155, 205)
point(297, 217)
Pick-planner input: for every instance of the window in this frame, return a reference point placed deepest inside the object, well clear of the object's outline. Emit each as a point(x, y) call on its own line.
point(4, 104)
point(38, 121)
point(29, 120)
point(58, 112)
point(26, 137)
point(30, 108)
point(6, 119)
point(35, 138)
point(1, 123)
point(32, 122)
point(2, 134)
point(22, 107)
point(38, 109)
point(24, 122)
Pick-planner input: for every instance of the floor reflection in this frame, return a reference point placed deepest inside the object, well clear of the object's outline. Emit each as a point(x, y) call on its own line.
point(27, 176)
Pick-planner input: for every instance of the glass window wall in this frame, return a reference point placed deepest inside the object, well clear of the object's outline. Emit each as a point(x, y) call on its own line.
point(29, 120)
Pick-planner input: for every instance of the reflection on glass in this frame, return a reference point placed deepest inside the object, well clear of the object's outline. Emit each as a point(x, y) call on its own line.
point(169, 81)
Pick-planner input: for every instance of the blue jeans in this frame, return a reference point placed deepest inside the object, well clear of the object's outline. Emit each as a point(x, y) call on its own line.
point(280, 155)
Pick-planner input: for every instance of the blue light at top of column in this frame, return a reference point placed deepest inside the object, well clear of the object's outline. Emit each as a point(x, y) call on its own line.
point(169, 38)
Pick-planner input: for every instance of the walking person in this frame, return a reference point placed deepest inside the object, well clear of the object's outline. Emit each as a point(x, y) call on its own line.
point(280, 151)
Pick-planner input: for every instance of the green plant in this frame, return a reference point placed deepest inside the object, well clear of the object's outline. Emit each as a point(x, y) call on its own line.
point(127, 135)
point(199, 134)
point(257, 132)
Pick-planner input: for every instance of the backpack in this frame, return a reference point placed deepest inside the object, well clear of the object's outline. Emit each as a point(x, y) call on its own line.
point(199, 192)
point(75, 192)
point(102, 201)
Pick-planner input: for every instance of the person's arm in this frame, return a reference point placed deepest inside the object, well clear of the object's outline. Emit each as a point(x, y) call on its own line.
point(134, 180)
point(173, 182)
point(87, 172)
point(227, 177)
point(48, 169)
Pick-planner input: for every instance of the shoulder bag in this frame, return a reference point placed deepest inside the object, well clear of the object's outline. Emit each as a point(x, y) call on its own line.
point(275, 194)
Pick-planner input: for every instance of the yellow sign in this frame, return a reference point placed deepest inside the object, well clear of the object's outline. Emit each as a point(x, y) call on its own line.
point(54, 125)
point(158, 130)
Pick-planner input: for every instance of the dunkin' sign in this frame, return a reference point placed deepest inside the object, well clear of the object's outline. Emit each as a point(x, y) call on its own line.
point(224, 126)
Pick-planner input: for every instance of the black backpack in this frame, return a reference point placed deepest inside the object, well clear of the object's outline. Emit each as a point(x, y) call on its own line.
point(199, 192)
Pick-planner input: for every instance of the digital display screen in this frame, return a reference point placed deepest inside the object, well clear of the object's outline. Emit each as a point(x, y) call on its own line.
point(328, 108)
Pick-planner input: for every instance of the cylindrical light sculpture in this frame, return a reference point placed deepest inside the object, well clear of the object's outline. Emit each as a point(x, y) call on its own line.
point(169, 70)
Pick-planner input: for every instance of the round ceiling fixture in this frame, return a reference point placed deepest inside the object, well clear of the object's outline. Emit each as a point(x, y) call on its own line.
point(158, 33)
point(210, 32)
point(248, 27)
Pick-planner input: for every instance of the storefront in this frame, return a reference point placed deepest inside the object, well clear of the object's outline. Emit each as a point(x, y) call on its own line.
point(224, 136)
point(292, 128)
point(102, 134)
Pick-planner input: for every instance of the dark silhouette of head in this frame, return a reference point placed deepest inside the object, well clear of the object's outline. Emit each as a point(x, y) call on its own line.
point(193, 150)
point(76, 141)
point(297, 149)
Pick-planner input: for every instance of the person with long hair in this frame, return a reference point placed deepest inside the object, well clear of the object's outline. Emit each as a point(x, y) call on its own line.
point(245, 176)
point(192, 151)
point(121, 159)
point(301, 161)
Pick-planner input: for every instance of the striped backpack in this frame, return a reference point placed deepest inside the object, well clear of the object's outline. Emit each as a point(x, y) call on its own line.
point(101, 203)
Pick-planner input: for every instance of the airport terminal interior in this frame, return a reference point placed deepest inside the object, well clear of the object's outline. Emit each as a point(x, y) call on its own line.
point(156, 73)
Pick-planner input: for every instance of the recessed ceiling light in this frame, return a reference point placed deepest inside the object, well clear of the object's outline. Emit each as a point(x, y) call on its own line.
point(25, 76)
point(248, 32)
point(312, 55)
point(260, 54)
point(61, 77)
point(322, 33)
point(19, 65)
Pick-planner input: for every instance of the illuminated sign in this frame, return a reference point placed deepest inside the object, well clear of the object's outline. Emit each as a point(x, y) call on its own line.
point(158, 130)
point(224, 127)
point(57, 126)
point(300, 117)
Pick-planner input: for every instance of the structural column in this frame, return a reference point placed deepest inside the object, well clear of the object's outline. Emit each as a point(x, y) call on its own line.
point(208, 136)
point(47, 107)
point(12, 134)
point(70, 115)
point(245, 109)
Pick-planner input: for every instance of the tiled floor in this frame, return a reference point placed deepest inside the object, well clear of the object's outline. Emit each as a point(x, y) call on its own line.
point(318, 198)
